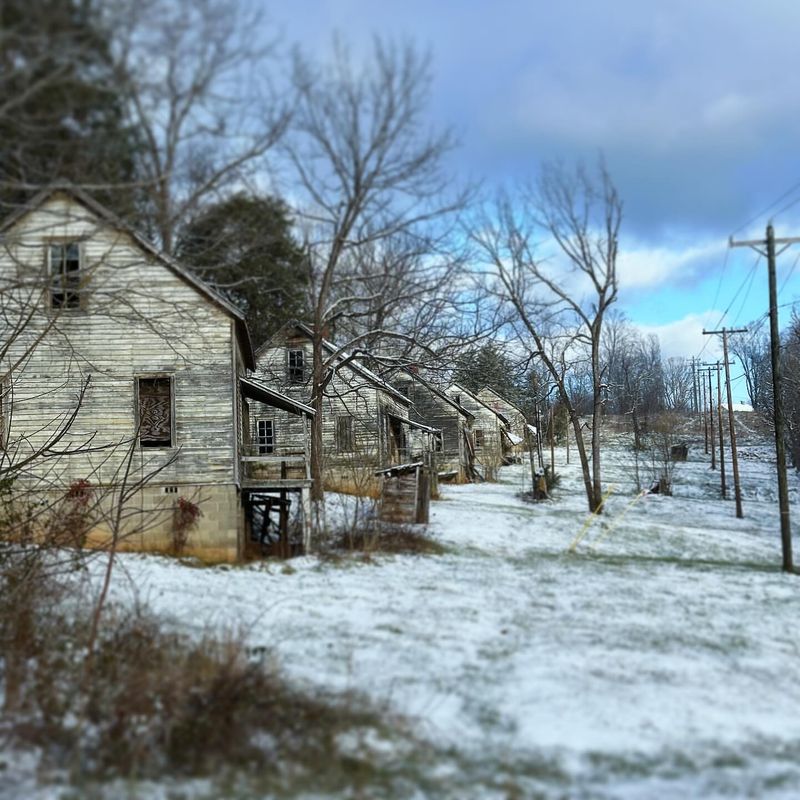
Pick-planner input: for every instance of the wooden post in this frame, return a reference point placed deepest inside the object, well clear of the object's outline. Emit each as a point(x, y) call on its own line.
point(777, 388)
point(552, 446)
point(705, 416)
point(723, 487)
point(711, 423)
point(737, 489)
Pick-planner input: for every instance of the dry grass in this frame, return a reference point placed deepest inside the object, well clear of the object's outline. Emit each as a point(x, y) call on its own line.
point(155, 703)
point(389, 539)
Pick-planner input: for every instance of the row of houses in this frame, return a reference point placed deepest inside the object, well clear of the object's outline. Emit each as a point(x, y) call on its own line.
point(121, 367)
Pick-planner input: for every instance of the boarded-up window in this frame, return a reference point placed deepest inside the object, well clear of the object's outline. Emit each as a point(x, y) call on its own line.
point(478, 438)
point(297, 366)
point(65, 275)
point(344, 434)
point(155, 412)
point(265, 436)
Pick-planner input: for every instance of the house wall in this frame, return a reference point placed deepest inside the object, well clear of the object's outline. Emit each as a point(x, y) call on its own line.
point(430, 409)
point(516, 419)
point(489, 455)
point(137, 319)
point(348, 394)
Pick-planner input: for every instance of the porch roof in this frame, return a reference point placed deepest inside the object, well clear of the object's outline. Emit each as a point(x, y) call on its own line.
point(255, 390)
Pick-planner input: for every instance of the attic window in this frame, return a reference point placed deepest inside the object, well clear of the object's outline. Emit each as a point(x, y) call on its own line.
point(65, 275)
point(297, 366)
point(156, 428)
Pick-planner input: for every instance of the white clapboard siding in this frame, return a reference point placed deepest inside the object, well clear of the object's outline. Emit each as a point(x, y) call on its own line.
point(139, 318)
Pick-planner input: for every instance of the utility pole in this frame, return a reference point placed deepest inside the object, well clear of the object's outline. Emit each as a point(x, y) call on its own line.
point(716, 366)
point(711, 421)
point(705, 416)
point(737, 488)
point(723, 485)
point(777, 381)
point(694, 361)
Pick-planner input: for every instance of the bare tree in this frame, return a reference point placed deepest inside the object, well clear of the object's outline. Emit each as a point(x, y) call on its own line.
point(560, 309)
point(372, 186)
point(196, 89)
point(752, 351)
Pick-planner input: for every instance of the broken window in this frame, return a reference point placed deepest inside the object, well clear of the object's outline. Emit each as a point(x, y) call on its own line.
point(478, 438)
point(65, 275)
point(156, 427)
point(265, 436)
point(297, 366)
point(344, 434)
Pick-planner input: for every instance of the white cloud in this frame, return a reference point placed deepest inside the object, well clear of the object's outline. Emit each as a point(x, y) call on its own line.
point(684, 337)
point(641, 265)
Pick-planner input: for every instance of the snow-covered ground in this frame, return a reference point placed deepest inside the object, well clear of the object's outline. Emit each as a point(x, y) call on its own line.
point(659, 659)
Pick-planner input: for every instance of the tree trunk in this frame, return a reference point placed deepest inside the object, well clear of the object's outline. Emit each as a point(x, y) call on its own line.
point(317, 381)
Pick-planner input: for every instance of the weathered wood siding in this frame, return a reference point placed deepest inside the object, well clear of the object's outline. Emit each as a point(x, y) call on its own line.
point(489, 454)
point(430, 409)
point(349, 394)
point(515, 417)
point(137, 319)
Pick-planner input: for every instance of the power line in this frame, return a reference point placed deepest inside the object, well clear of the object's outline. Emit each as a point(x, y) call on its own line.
point(772, 205)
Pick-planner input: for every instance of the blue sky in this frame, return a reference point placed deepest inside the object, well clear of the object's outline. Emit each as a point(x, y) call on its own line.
point(695, 105)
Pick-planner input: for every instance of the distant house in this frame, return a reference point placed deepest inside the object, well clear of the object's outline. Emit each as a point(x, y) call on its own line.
point(366, 424)
point(487, 430)
point(121, 369)
point(454, 450)
point(514, 434)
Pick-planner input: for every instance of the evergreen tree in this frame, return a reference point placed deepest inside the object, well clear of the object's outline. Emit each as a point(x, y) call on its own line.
point(489, 366)
point(244, 246)
point(61, 117)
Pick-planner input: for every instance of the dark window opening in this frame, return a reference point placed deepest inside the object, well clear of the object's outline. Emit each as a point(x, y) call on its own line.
point(65, 273)
point(438, 443)
point(297, 366)
point(155, 412)
point(265, 436)
point(478, 438)
point(344, 434)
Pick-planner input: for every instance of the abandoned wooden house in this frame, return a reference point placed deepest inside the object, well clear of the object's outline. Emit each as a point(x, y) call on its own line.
point(124, 371)
point(366, 422)
point(454, 454)
point(514, 434)
point(487, 431)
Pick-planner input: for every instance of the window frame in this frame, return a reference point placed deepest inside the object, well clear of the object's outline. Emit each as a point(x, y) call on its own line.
point(266, 448)
point(137, 410)
point(71, 292)
point(479, 438)
point(345, 439)
point(292, 369)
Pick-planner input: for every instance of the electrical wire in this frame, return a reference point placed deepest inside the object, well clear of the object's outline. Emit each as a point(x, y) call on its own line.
point(772, 205)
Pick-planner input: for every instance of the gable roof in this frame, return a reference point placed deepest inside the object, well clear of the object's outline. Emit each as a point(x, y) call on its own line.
point(500, 397)
point(112, 220)
point(438, 392)
point(462, 390)
point(355, 366)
